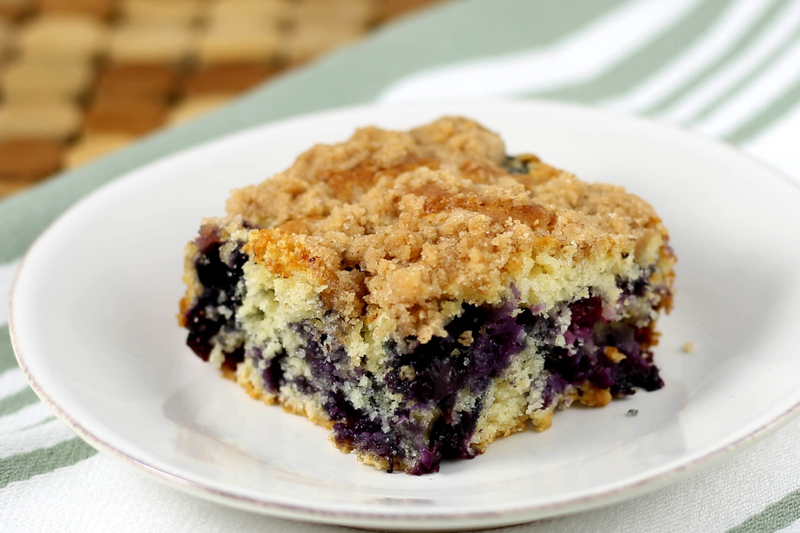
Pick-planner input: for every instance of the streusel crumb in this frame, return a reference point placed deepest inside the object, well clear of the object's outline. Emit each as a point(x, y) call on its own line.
point(396, 223)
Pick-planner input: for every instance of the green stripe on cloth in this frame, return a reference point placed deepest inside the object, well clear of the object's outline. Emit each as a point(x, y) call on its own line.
point(777, 516)
point(24, 216)
point(754, 74)
point(24, 466)
point(7, 359)
point(15, 402)
point(35, 425)
point(743, 42)
point(763, 120)
point(647, 60)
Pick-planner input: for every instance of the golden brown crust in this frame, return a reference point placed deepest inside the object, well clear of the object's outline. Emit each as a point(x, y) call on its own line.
point(592, 396)
point(614, 355)
point(543, 422)
point(396, 223)
point(515, 426)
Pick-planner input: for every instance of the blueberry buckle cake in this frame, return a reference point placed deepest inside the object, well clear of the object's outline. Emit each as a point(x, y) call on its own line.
point(421, 293)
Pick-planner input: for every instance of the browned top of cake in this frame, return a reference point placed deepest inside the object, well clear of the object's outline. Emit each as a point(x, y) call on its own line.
point(403, 221)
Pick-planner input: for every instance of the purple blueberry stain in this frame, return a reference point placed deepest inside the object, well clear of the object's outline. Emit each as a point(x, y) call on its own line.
point(221, 288)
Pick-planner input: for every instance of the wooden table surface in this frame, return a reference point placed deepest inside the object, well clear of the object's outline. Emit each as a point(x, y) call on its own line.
point(80, 78)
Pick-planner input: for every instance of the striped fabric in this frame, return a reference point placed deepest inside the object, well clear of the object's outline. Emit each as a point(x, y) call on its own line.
point(724, 68)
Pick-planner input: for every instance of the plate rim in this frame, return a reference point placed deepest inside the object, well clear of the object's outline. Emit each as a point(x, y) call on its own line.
point(663, 476)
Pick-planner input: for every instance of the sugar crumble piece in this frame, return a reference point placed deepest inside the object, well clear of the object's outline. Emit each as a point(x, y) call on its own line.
point(613, 354)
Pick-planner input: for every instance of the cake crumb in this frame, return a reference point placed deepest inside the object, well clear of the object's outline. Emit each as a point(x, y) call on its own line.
point(591, 396)
point(633, 412)
point(688, 347)
point(614, 355)
point(407, 373)
point(465, 339)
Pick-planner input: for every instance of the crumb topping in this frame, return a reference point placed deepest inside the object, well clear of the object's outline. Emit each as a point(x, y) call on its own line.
point(402, 222)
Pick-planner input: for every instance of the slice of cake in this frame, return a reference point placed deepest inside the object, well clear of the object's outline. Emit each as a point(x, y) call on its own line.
point(422, 294)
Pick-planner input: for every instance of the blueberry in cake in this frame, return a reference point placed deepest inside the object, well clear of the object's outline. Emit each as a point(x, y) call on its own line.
point(421, 293)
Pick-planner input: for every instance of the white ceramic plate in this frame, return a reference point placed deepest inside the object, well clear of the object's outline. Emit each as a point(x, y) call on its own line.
point(93, 324)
